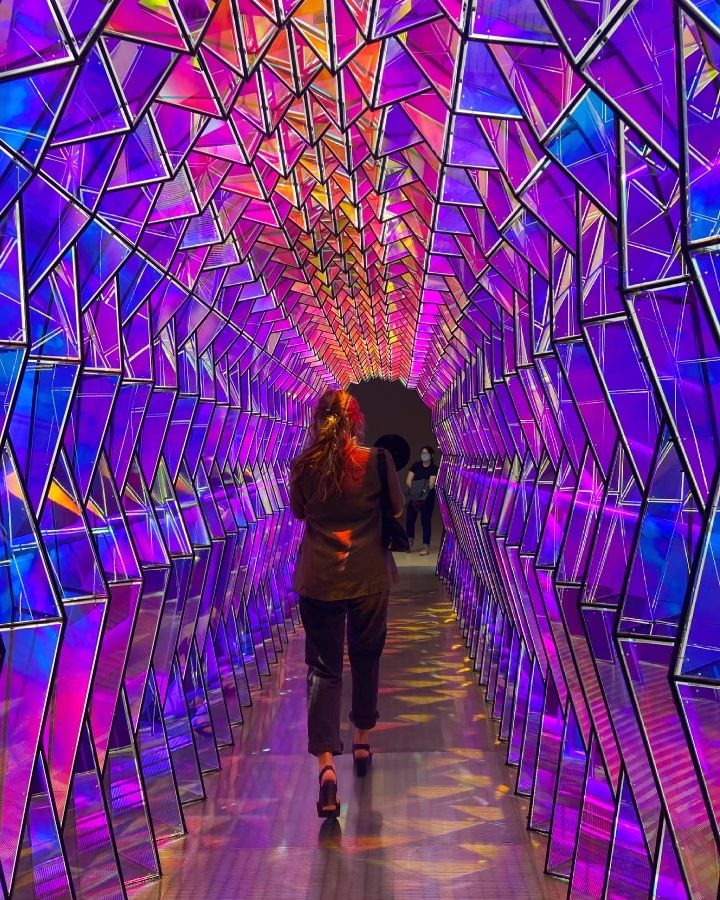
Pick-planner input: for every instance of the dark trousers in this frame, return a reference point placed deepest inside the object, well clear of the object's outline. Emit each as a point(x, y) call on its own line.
point(426, 513)
point(324, 623)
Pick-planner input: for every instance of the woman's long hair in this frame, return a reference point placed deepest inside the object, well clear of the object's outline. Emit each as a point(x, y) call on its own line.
point(337, 426)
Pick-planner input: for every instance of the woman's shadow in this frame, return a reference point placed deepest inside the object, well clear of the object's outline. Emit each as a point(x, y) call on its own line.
point(358, 867)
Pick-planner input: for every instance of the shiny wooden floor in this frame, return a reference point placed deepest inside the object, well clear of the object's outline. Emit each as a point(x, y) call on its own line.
point(436, 818)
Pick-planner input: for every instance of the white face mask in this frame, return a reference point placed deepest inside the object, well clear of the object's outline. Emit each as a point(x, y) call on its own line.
point(425, 457)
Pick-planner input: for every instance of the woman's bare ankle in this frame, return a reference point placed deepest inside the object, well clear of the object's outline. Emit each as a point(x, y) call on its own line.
point(325, 759)
point(362, 736)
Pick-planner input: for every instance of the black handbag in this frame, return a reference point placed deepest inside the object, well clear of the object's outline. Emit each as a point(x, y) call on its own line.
point(394, 537)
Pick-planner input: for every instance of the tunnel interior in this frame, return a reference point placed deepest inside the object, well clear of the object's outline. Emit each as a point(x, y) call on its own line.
point(393, 412)
point(212, 210)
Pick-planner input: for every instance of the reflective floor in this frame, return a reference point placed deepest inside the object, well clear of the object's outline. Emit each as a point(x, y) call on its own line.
point(437, 817)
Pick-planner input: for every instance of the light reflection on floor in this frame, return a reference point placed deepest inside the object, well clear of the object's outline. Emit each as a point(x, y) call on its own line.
point(436, 819)
point(415, 561)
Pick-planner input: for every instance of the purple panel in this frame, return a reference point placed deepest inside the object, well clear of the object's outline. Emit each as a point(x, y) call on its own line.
point(142, 521)
point(87, 422)
point(26, 591)
point(36, 428)
point(520, 707)
point(157, 770)
point(41, 870)
point(123, 605)
point(67, 707)
point(137, 347)
point(67, 538)
point(178, 432)
point(87, 834)
point(181, 744)
point(652, 213)
point(127, 805)
point(548, 757)
point(230, 681)
point(191, 606)
point(190, 509)
point(101, 332)
point(50, 225)
point(569, 599)
point(668, 877)
point(108, 526)
point(155, 425)
point(531, 732)
point(99, 256)
point(685, 368)
point(701, 48)
point(209, 591)
point(568, 799)
point(171, 617)
point(143, 640)
point(596, 828)
point(53, 317)
point(27, 663)
point(11, 359)
point(93, 108)
point(31, 103)
point(511, 676)
point(563, 652)
point(217, 697)
point(198, 705)
point(128, 416)
point(242, 656)
point(664, 553)
point(700, 655)
point(600, 255)
point(613, 539)
point(644, 87)
point(630, 871)
point(167, 510)
point(701, 708)
point(599, 624)
point(629, 385)
point(647, 666)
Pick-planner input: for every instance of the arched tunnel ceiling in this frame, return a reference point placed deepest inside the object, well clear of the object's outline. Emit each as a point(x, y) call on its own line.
point(359, 188)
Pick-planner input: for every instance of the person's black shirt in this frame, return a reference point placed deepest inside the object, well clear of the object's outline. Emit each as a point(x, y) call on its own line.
point(421, 471)
point(420, 489)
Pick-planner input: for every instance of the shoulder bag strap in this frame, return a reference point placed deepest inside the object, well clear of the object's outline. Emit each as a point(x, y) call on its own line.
point(382, 472)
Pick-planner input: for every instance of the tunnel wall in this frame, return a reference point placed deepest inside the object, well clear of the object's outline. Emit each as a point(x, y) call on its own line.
point(145, 592)
point(579, 492)
point(576, 401)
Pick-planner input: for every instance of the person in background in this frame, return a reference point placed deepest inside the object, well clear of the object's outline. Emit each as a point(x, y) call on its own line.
point(421, 484)
point(342, 573)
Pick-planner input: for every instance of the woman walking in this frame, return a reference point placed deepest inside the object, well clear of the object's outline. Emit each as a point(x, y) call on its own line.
point(342, 573)
point(421, 484)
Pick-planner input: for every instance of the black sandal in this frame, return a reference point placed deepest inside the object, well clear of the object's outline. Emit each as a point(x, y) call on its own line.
point(327, 805)
point(362, 763)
